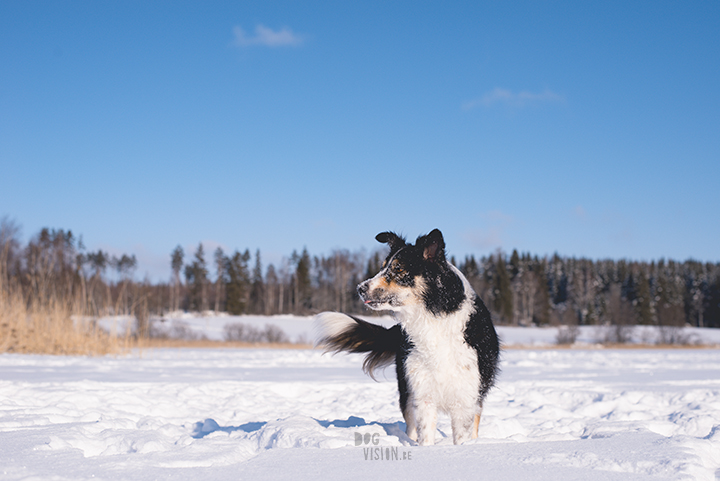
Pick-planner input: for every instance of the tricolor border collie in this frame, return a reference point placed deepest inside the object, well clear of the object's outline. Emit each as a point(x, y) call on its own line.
point(444, 346)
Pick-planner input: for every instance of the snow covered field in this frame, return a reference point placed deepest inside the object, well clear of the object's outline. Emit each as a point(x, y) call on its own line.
point(299, 329)
point(299, 415)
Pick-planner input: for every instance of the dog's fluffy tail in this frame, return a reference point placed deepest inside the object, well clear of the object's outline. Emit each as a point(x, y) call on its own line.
point(341, 332)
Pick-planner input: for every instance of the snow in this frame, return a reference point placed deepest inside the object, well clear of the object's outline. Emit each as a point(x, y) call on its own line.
point(296, 414)
point(299, 329)
point(212, 327)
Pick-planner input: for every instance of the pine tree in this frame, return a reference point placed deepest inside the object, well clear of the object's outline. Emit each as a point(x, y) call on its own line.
point(696, 290)
point(125, 266)
point(220, 263)
point(303, 287)
point(374, 265)
point(9, 252)
point(257, 292)
point(176, 263)
point(503, 301)
point(98, 262)
point(196, 275)
point(469, 268)
point(560, 283)
point(669, 305)
point(643, 300)
point(514, 264)
point(271, 287)
point(712, 310)
point(542, 308)
point(238, 280)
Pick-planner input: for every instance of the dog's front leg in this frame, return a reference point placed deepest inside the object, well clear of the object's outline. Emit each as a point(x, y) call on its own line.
point(426, 422)
point(463, 425)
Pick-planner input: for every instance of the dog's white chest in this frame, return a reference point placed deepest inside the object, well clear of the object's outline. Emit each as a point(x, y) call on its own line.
point(441, 368)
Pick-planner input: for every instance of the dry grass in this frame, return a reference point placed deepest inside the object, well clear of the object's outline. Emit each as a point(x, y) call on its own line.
point(48, 328)
point(58, 328)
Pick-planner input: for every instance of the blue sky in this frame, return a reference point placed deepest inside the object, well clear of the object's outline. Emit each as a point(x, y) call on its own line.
point(583, 128)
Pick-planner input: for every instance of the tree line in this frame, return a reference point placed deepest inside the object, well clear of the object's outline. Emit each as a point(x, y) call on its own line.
point(519, 289)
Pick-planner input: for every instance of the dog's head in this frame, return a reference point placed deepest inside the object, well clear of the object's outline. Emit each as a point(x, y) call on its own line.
point(414, 275)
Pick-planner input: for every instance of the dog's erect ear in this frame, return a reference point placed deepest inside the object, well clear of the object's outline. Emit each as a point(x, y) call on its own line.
point(433, 245)
point(392, 239)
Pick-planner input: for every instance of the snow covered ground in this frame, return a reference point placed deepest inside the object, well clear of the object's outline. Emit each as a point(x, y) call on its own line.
point(300, 415)
point(299, 329)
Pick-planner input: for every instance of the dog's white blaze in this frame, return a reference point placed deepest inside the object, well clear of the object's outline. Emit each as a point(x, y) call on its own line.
point(330, 324)
point(442, 369)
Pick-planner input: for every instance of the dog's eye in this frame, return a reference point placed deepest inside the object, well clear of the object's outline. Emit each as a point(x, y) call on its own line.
point(397, 268)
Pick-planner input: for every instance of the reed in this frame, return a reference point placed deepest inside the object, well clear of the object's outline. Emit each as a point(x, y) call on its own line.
point(51, 325)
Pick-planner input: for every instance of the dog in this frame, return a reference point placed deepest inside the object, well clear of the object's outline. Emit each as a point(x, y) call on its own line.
point(444, 347)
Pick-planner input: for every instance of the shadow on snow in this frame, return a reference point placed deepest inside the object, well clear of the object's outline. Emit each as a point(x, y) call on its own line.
point(209, 426)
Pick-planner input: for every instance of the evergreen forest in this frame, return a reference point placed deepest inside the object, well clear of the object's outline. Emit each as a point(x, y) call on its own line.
point(519, 288)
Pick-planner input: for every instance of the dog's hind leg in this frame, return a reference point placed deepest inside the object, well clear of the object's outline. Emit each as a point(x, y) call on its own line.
point(411, 427)
point(476, 422)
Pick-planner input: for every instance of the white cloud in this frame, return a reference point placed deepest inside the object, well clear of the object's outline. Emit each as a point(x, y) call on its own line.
point(266, 37)
point(512, 99)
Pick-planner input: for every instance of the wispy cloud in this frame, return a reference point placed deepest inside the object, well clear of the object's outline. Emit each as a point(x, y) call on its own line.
point(493, 234)
point(512, 99)
point(579, 212)
point(485, 239)
point(267, 37)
